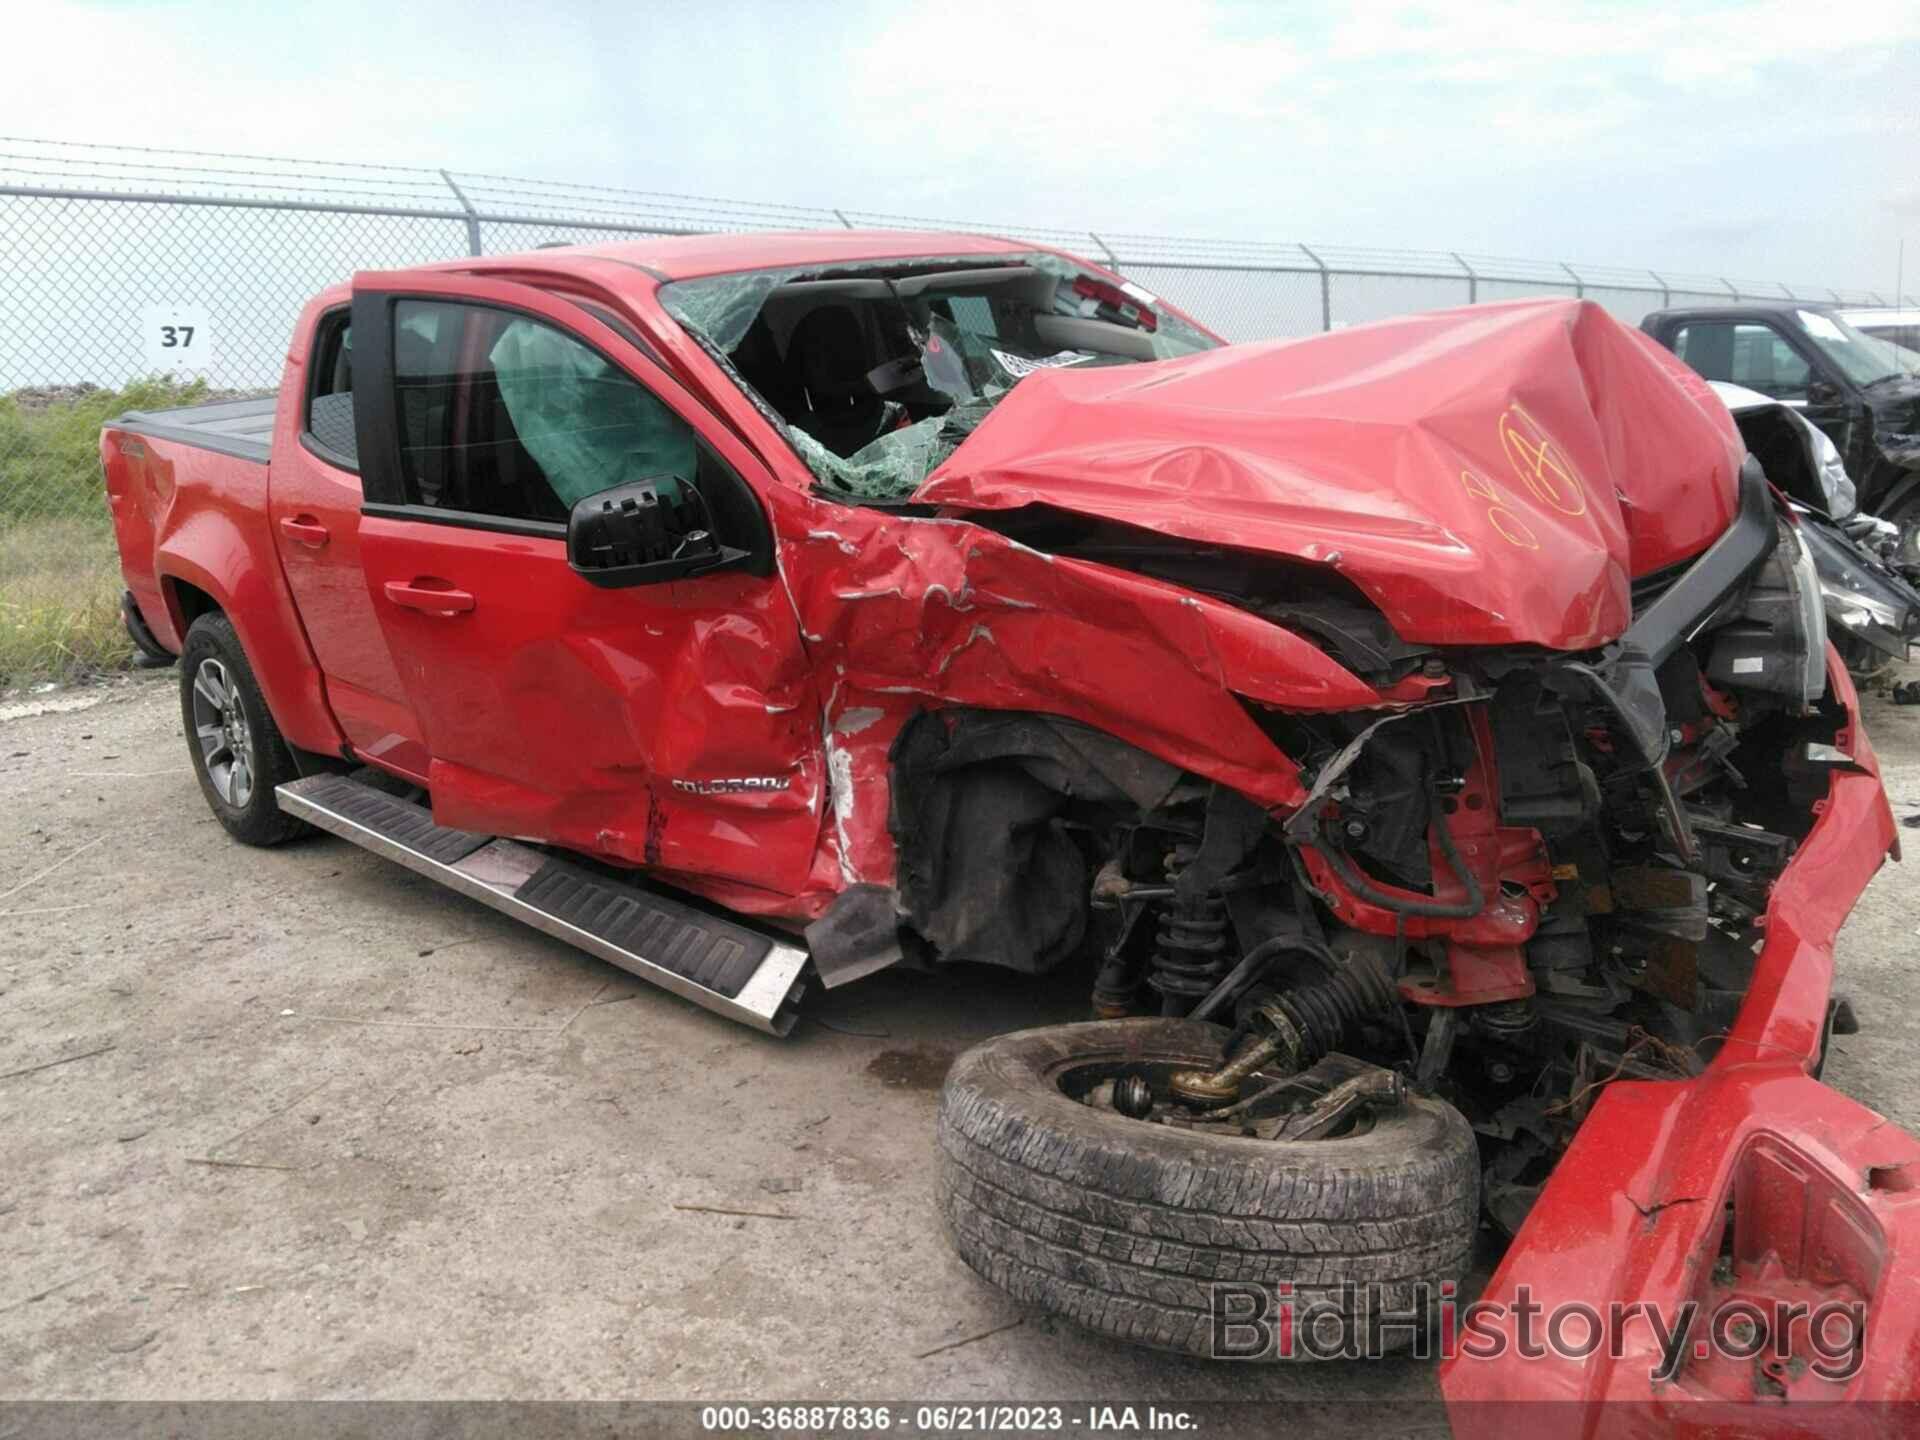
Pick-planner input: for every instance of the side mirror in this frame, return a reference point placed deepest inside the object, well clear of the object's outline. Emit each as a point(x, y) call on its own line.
point(643, 532)
point(1823, 392)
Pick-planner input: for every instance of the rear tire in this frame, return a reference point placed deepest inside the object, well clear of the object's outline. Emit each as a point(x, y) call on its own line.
point(1126, 1227)
point(238, 754)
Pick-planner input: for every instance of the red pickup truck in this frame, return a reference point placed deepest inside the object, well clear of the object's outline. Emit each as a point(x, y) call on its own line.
point(1424, 736)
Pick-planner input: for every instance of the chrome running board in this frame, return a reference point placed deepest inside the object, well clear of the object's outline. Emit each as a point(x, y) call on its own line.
point(753, 976)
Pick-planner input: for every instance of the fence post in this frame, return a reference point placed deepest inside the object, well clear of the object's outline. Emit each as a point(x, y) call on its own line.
point(1666, 295)
point(1730, 290)
point(1113, 261)
point(473, 219)
point(1326, 289)
point(1784, 291)
point(845, 223)
point(1579, 285)
point(1473, 279)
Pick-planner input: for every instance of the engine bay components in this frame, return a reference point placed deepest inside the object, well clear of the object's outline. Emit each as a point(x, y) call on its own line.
point(1546, 877)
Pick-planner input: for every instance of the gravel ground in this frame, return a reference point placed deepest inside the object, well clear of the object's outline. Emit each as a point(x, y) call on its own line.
point(315, 1127)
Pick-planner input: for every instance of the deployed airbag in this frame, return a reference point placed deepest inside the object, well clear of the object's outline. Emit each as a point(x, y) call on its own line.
point(587, 425)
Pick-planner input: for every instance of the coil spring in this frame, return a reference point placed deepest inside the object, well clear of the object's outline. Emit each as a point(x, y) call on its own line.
point(1324, 1011)
point(1190, 951)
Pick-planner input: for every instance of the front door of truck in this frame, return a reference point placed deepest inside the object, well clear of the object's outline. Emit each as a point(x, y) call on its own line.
point(668, 724)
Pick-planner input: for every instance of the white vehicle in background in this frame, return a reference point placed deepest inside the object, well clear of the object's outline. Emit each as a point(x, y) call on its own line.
point(1896, 327)
point(1861, 390)
point(1873, 612)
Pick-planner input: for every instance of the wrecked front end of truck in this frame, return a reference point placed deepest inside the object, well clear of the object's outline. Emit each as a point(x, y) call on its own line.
point(1426, 738)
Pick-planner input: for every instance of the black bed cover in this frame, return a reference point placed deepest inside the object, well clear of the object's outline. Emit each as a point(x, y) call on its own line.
point(240, 428)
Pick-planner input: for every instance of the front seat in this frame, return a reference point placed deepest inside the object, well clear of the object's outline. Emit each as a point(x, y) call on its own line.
point(827, 363)
point(757, 358)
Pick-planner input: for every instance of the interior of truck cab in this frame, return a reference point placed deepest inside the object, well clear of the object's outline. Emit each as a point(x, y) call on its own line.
point(880, 372)
point(504, 415)
point(825, 374)
point(330, 389)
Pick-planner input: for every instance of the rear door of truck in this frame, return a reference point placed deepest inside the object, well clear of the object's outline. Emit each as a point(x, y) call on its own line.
point(668, 724)
point(314, 502)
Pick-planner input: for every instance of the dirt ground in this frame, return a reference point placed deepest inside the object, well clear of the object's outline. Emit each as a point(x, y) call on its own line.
point(309, 1126)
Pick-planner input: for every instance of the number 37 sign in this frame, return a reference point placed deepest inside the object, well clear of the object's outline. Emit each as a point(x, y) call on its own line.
point(176, 338)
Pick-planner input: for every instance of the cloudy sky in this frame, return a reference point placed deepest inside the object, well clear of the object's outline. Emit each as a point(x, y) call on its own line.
point(1776, 139)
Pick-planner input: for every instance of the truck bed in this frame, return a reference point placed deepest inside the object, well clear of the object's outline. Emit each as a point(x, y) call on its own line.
point(241, 428)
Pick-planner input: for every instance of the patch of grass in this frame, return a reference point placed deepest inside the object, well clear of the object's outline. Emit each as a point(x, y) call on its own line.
point(59, 574)
point(59, 601)
point(50, 444)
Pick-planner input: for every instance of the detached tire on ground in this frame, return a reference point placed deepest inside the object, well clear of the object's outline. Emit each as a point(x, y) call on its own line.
point(238, 754)
point(1125, 1226)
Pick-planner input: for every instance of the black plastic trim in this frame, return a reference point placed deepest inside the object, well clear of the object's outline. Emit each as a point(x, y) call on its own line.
point(608, 531)
point(327, 456)
point(317, 762)
point(376, 432)
point(175, 426)
point(661, 276)
point(144, 640)
point(616, 323)
point(1707, 583)
point(470, 520)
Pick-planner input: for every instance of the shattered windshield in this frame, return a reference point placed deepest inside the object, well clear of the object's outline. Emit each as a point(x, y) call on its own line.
point(879, 371)
point(1861, 358)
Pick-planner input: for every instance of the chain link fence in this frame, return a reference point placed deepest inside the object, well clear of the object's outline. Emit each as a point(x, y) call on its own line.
point(139, 278)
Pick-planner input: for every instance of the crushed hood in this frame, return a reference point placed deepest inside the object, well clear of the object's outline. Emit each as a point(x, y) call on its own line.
point(1491, 475)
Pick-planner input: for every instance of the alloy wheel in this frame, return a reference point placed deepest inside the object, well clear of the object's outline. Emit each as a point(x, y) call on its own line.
point(220, 725)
